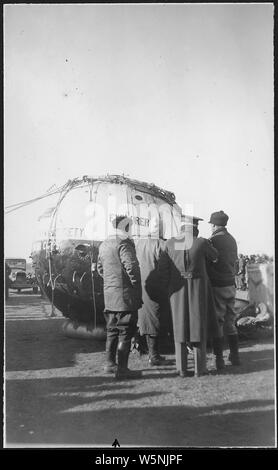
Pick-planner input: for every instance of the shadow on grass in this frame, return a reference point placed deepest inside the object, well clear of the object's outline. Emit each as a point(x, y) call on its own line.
point(52, 412)
point(35, 345)
point(42, 345)
point(252, 361)
point(247, 343)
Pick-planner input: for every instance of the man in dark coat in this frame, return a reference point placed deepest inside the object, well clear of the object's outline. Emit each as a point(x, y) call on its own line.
point(149, 252)
point(183, 272)
point(119, 267)
point(222, 277)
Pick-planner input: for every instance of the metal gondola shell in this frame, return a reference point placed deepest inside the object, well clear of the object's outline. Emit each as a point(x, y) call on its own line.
point(66, 249)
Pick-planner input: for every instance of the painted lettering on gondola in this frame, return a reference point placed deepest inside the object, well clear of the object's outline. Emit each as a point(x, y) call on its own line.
point(144, 222)
point(70, 232)
point(62, 233)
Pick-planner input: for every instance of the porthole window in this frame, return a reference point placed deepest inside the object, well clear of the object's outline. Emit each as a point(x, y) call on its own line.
point(138, 197)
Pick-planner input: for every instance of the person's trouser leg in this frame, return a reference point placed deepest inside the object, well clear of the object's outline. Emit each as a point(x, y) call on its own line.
point(218, 352)
point(243, 284)
point(123, 355)
point(221, 296)
point(126, 324)
point(181, 358)
point(154, 357)
point(231, 329)
point(200, 352)
point(220, 308)
point(200, 362)
point(234, 351)
point(200, 355)
point(111, 350)
point(111, 342)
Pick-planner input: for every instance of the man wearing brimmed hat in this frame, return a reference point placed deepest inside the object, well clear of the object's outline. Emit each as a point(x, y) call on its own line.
point(119, 267)
point(183, 273)
point(222, 277)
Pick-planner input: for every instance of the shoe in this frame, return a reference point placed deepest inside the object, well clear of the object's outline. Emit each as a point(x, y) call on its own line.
point(157, 360)
point(186, 373)
point(111, 348)
point(154, 357)
point(220, 363)
point(200, 374)
point(122, 374)
point(123, 371)
point(234, 359)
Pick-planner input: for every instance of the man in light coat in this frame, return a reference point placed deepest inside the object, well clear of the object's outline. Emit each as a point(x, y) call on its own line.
point(119, 267)
point(149, 250)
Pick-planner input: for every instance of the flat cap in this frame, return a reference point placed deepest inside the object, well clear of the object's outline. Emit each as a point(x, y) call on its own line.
point(219, 218)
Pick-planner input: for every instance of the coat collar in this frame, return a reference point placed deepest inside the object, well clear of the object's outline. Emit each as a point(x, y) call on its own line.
point(219, 231)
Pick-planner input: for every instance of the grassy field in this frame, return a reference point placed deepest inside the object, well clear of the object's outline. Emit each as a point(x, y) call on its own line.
point(56, 393)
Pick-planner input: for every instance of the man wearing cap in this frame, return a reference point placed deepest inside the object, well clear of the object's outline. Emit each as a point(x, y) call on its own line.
point(183, 272)
point(222, 277)
point(119, 267)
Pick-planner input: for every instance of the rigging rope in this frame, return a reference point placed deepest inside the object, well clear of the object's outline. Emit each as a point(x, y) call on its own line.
point(140, 186)
point(19, 205)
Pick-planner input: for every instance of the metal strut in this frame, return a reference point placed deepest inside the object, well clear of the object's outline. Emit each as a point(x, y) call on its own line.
point(50, 282)
point(93, 268)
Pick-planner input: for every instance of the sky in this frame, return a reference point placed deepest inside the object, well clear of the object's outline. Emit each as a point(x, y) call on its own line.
point(180, 95)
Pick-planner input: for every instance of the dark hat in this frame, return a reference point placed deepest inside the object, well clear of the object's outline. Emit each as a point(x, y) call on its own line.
point(190, 220)
point(219, 218)
point(121, 221)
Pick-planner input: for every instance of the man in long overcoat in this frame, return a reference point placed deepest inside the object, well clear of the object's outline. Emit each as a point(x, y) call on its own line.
point(149, 251)
point(183, 272)
point(119, 267)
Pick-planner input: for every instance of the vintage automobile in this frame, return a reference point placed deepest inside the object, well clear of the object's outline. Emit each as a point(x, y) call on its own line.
point(17, 276)
point(20, 280)
point(66, 249)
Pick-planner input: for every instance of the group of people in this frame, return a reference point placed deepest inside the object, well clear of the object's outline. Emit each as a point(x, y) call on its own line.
point(194, 276)
point(241, 268)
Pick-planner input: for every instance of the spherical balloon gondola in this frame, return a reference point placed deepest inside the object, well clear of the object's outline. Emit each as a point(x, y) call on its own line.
point(65, 251)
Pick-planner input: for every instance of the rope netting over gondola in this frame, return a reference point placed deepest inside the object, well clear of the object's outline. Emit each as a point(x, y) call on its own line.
point(69, 233)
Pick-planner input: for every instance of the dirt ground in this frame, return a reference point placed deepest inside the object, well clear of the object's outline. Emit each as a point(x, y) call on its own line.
point(56, 393)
